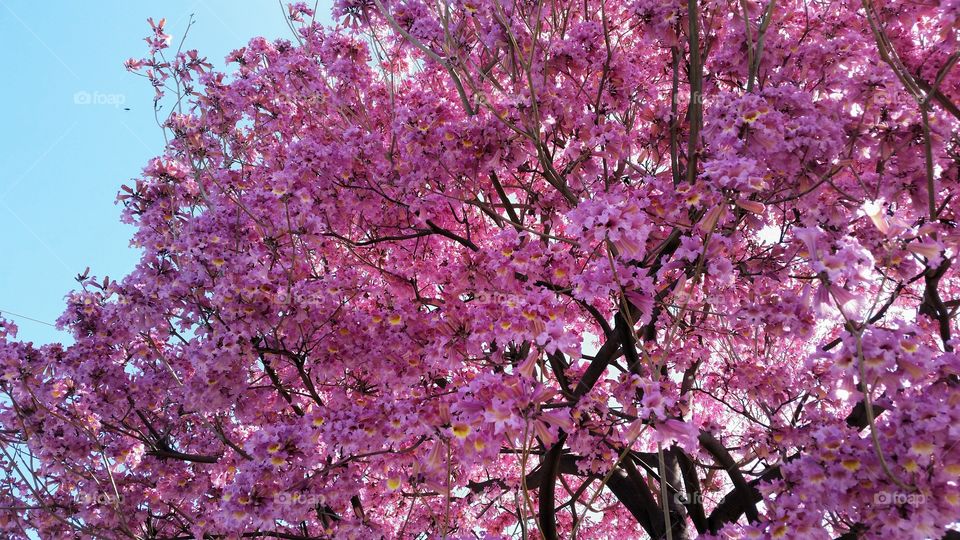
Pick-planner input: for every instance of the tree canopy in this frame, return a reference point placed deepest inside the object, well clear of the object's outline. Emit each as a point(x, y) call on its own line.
point(531, 268)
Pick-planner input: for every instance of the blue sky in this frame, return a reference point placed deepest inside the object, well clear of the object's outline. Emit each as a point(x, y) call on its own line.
point(68, 143)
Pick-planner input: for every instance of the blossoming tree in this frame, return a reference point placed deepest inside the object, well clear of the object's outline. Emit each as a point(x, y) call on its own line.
point(552, 268)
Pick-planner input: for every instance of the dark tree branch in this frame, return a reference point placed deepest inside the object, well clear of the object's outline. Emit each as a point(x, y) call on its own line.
point(723, 457)
point(548, 506)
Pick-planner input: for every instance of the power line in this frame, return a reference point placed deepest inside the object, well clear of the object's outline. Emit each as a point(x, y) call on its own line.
point(27, 318)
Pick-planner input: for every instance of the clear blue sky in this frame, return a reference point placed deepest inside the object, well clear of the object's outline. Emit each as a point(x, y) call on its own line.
point(68, 144)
